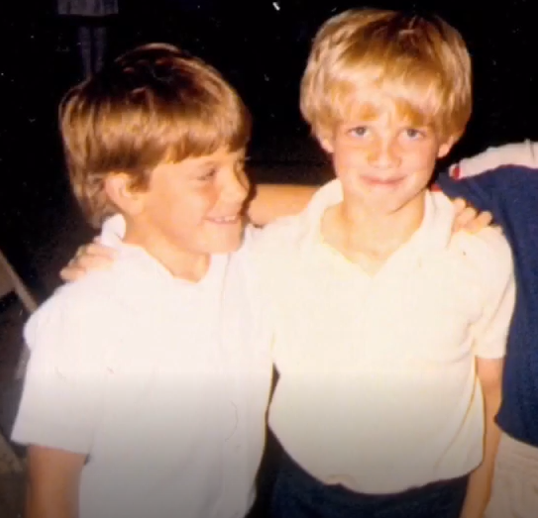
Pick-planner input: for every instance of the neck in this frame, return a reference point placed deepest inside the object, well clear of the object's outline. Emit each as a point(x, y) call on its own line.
point(180, 263)
point(367, 236)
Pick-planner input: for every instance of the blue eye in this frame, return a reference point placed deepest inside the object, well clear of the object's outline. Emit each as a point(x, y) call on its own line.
point(413, 133)
point(359, 131)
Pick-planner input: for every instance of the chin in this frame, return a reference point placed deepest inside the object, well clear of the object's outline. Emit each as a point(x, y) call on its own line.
point(226, 246)
point(230, 248)
point(391, 203)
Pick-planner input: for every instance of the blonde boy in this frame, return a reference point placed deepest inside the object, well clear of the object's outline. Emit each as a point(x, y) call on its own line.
point(389, 331)
point(148, 383)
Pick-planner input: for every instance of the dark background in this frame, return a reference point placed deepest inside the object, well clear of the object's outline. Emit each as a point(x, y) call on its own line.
point(261, 47)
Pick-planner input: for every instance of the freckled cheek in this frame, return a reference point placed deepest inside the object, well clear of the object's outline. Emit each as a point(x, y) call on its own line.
point(421, 160)
point(340, 168)
point(190, 208)
point(347, 161)
point(421, 174)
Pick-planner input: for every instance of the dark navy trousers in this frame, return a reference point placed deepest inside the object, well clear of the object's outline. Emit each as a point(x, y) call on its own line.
point(299, 495)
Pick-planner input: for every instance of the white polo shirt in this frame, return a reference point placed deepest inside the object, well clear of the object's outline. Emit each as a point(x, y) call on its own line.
point(163, 383)
point(377, 386)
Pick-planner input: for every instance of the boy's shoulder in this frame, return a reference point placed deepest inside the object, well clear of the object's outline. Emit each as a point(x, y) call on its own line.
point(490, 239)
point(99, 300)
point(93, 299)
point(487, 252)
point(97, 287)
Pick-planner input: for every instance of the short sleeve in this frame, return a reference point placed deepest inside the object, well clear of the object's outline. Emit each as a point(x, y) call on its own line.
point(64, 384)
point(496, 273)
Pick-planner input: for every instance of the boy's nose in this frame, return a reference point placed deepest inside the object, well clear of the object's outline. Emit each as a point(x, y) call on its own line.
point(236, 189)
point(384, 155)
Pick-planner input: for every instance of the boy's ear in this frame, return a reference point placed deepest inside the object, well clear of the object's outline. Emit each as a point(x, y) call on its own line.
point(446, 146)
point(118, 188)
point(326, 140)
point(326, 143)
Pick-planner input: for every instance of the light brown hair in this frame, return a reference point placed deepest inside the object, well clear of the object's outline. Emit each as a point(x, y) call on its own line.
point(152, 105)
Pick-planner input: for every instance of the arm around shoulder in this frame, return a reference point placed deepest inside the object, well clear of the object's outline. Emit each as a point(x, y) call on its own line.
point(273, 201)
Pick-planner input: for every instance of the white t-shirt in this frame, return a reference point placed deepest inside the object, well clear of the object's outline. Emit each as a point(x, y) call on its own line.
point(377, 385)
point(163, 383)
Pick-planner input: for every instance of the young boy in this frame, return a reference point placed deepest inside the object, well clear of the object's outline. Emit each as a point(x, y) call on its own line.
point(147, 386)
point(389, 332)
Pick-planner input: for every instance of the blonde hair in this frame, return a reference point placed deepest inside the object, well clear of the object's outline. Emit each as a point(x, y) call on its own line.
point(421, 65)
point(152, 105)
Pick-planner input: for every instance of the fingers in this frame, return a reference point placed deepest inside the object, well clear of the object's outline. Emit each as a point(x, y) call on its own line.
point(483, 220)
point(464, 217)
point(71, 272)
point(470, 220)
point(93, 256)
point(96, 249)
point(459, 205)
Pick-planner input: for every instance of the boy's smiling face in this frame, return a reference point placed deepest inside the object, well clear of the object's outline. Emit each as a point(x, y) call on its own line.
point(383, 162)
point(194, 207)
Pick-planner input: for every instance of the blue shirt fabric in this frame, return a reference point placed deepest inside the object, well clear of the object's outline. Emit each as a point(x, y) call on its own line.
point(511, 194)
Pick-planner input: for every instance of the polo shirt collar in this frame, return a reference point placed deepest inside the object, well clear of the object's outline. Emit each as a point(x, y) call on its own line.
point(112, 234)
point(432, 236)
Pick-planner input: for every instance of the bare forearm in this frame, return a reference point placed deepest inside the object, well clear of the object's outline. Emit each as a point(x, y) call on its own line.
point(479, 487)
point(50, 504)
point(53, 483)
point(272, 201)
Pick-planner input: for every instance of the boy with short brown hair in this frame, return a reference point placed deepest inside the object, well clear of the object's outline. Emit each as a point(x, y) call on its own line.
point(148, 383)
